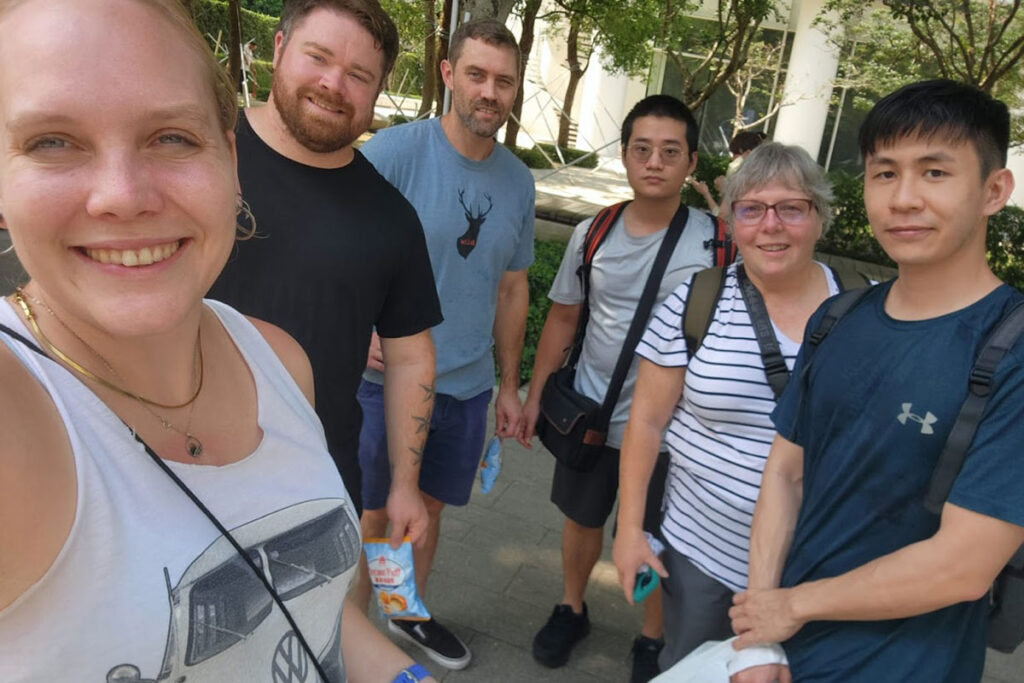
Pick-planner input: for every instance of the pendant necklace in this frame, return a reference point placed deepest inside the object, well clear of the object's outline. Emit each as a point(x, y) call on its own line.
point(193, 446)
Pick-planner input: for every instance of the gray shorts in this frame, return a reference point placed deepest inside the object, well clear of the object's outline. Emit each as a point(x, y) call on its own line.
point(695, 608)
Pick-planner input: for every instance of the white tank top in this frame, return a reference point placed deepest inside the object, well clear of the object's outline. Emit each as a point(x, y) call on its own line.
point(145, 588)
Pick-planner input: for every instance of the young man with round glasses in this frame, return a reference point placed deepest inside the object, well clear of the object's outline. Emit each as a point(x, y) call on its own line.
point(659, 142)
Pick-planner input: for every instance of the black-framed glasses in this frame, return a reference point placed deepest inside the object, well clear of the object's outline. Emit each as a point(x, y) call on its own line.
point(788, 211)
point(670, 155)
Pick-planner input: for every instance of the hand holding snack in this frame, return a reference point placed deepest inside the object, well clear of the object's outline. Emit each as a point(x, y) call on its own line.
point(393, 579)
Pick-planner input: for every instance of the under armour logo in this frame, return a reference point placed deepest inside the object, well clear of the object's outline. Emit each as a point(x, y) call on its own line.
point(926, 422)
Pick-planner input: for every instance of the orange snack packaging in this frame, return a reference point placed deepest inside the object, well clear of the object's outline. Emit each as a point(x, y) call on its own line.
point(393, 579)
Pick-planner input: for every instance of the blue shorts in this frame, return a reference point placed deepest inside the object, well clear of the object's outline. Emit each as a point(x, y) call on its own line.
point(455, 445)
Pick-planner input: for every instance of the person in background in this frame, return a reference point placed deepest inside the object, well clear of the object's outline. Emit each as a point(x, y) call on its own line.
point(659, 149)
point(476, 201)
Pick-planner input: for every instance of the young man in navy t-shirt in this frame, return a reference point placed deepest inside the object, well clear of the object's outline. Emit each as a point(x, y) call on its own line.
point(847, 569)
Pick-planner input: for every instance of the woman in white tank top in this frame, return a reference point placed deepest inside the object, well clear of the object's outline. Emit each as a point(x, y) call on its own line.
point(118, 187)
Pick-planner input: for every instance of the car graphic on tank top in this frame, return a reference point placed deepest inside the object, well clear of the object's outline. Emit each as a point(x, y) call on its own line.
point(219, 604)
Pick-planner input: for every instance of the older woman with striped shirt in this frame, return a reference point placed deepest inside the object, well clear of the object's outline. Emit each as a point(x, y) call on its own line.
point(716, 400)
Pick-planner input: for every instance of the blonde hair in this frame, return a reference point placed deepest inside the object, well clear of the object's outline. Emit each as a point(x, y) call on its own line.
point(221, 87)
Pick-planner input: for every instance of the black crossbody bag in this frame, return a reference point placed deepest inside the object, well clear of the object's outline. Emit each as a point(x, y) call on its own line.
point(210, 516)
point(573, 426)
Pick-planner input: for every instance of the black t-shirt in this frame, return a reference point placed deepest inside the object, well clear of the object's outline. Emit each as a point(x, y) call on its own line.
point(339, 251)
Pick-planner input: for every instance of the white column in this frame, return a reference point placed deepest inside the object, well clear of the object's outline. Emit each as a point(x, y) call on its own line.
point(813, 65)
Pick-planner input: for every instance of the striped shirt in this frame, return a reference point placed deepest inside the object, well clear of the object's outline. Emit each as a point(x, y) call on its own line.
point(720, 432)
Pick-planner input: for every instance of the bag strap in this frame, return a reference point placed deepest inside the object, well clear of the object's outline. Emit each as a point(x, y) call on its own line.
point(849, 278)
point(209, 515)
point(979, 387)
point(643, 314)
point(701, 299)
point(596, 234)
point(722, 245)
point(771, 356)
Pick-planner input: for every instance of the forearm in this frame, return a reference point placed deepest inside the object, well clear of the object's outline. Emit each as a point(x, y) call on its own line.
point(775, 514)
point(555, 338)
point(957, 564)
point(639, 453)
point(408, 404)
point(369, 656)
point(509, 332)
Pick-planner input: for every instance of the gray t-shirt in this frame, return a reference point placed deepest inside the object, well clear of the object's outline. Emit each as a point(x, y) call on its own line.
point(478, 220)
point(617, 278)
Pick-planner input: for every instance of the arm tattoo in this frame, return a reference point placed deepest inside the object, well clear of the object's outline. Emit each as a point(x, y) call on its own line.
point(423, 423)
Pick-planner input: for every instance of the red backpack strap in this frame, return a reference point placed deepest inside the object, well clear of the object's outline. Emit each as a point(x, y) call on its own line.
point(725, 248)
point(599, 228)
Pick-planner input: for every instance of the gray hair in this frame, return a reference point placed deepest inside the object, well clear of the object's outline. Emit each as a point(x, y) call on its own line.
point(789, 165)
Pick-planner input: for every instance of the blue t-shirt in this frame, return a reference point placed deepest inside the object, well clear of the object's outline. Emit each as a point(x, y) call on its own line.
point(478, 220)
point(880, 398)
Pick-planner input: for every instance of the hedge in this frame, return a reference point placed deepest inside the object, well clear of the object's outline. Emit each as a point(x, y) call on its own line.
point(534, 157)
point(212, 18)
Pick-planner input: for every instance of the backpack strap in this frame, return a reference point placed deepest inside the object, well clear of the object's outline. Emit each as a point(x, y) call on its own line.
point(848, 278)
point(642, 315)
point(722, 246)
point(774, 362)
point(979, 387)
point(701, 299)
point(596, 234)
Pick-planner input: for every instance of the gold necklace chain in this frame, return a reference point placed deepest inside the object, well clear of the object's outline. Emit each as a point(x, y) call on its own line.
point(19, 298)
point(193, 445)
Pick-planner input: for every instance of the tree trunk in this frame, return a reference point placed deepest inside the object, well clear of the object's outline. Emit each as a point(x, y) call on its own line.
point(525, 46)
point(235, 43)
point(429, 54)
point(478, 9)
point(575, 75)
point(443, 22)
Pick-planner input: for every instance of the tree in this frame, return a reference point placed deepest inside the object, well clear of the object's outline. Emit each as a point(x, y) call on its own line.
point(980, 42)
point(235, 43)
point(478, 9)
point(529, 17)
point(268, 7)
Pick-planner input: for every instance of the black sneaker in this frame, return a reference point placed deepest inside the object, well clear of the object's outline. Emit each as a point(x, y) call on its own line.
point(440, 644)
point(645, 659)
point(554, 642)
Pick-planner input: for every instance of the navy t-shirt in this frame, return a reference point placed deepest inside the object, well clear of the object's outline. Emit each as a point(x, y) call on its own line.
point(872, 417)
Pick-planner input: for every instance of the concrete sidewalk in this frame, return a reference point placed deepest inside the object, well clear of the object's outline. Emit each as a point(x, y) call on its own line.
point(497, 577)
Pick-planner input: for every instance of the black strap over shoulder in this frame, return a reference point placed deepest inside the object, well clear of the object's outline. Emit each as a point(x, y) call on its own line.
point(771, 356)
point(643, 309)
point(1006, 333)
point(209, 515)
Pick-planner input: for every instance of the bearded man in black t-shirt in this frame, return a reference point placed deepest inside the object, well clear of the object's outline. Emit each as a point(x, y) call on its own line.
point(338, 250)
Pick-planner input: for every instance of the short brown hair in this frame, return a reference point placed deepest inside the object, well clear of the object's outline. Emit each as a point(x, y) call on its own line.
point(368, 13)
point(491, 31)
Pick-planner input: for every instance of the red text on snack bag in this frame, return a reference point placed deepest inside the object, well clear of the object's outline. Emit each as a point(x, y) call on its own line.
point(384, 572)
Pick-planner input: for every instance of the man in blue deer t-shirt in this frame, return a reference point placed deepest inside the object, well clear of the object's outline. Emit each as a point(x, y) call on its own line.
point(476, 202)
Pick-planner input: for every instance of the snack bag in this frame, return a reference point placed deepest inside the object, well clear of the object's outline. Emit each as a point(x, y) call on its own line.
point(491, 466)
point(393, 578)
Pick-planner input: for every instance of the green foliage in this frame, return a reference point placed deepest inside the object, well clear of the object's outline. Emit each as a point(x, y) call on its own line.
point(407, 76)
point(973, 41)
point(212, 20)
point(547, 256)
point(269, 7)
point(570, 154)
point(534, 157)
point(709, 167)
point(1005, 245)
point(850, 234)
